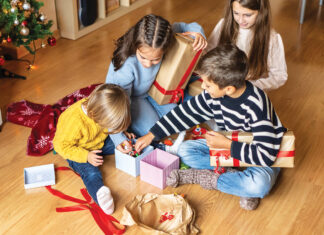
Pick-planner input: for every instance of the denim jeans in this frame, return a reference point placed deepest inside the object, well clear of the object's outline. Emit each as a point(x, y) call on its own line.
point(252, 182)
point(145, 113)
point(90, 174)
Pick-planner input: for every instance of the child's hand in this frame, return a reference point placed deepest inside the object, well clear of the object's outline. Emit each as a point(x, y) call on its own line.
point(129, 135)
point(144, 141)
point(95, 159)
point(124, 147)
point(200, 42)
point(217, 140)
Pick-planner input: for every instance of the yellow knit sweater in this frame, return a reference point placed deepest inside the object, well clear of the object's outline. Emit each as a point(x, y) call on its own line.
point(77, 134)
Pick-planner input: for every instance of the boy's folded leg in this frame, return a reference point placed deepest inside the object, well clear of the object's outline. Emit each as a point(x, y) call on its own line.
point(249, 203)
point(105, 200)
point(206, 178)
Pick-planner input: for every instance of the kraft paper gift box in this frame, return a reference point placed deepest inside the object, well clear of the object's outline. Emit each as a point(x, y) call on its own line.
point(156, 167)
point(285, 157)
point(38, 176)
point(195, 88)
point(129, 164)
point(175, 71)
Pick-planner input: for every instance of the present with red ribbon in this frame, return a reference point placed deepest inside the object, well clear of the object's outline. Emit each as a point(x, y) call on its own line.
point(175, 71)
point(195, 88)
point(285, 157)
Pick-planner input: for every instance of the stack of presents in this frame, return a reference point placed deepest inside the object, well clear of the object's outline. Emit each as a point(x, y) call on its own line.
point(154, 166)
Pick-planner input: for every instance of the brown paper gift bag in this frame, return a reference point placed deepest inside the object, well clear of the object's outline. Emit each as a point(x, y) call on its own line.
point(160, 214)
point(285, 157)
point(175, 71)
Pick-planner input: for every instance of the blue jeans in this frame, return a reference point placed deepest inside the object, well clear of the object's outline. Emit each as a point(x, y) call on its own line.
point(252, 182)
point(90, 174)
point(145, 113)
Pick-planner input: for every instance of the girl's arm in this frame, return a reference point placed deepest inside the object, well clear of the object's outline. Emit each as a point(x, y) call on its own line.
point(180, 27)
point(277, 75)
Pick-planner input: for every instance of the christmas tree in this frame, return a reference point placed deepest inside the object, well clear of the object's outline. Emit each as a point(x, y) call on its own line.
point(22, 23)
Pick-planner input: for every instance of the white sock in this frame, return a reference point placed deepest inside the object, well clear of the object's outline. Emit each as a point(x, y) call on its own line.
point(174, 148)
point(105, 200)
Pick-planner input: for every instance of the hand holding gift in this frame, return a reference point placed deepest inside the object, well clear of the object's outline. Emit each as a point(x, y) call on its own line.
point(217, 140)
point(200, 43)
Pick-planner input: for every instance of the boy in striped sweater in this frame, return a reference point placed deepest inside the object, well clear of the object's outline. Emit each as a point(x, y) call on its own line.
point(236, 105)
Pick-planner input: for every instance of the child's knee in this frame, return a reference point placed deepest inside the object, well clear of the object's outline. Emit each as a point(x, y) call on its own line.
point(261, 183)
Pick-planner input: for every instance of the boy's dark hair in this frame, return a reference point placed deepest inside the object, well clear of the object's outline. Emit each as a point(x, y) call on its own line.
point(151, 30)
point(225, 65)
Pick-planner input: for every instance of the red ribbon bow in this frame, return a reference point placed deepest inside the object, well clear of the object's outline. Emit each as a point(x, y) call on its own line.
point(107, 223)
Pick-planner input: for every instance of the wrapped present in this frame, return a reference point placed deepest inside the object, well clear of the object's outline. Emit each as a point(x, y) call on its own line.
point(195, 88)
point(285, 157)
point(175, 71)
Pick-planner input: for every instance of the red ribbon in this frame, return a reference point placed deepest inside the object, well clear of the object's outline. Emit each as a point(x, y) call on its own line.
point(178, 93)
point(104, 221)
point(236, 162)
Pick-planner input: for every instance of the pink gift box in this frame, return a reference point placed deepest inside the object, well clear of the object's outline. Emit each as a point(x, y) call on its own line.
point(156, 167)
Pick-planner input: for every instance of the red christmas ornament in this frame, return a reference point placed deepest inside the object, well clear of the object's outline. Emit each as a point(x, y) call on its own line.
point(51, 41)
point(2, 60)
point(9, 39)
point(24, 23)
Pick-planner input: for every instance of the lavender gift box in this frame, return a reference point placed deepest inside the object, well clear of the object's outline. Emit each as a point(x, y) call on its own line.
point(156, 167)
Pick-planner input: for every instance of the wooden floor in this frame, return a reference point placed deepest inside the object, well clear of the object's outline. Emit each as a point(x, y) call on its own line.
point(294, 206)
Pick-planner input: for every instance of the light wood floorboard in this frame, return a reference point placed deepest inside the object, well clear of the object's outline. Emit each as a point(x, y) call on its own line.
point(294, 206)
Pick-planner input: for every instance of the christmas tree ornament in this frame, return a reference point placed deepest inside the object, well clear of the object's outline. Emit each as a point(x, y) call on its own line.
point(2, 60)
point(43, 45)
point(19, 4)
point(24, 23)
point(51, 41)
point(14, 2)
point(24, 31)
point(26, 6)
point(16, 22)
point(42, 17)
point(13, 9)
point(9, 39)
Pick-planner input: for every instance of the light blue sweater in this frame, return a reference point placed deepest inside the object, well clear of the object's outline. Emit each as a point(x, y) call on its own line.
point(136, 79)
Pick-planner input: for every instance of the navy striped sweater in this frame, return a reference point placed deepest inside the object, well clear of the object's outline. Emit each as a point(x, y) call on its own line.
point(251, 112)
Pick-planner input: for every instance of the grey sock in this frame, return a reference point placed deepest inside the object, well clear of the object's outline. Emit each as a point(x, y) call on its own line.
point(249, 203)
point(206, 178)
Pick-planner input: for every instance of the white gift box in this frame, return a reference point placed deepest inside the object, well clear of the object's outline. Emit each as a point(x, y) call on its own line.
point(38, 176)
point(130, 164)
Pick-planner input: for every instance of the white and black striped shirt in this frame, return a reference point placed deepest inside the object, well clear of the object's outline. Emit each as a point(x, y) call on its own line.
point(251, 112)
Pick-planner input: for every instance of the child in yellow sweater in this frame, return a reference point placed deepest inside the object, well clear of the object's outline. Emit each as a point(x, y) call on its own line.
point(82, 137)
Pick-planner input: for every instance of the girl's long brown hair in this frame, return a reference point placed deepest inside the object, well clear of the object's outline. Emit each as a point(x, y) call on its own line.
point(258, 54)
point(151, 30)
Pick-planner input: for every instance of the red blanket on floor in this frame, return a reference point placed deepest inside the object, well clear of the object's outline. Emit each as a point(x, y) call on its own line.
point(43, 119)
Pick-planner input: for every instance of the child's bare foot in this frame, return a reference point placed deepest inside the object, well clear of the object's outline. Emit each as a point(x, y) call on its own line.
point(105, 200)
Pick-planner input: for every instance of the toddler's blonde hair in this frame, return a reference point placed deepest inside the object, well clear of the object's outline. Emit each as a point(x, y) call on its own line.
point(109, 106)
